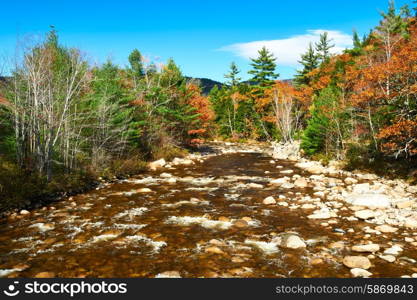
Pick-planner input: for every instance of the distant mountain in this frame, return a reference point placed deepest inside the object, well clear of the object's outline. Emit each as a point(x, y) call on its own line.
point(250, 82)
point(206, 84)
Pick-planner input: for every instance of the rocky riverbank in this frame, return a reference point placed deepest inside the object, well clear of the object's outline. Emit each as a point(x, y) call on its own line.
point(235, 210)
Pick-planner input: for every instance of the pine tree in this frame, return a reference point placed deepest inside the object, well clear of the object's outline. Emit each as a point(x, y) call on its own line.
point(415, 8)
point(321, 125)
point(391, 29)
point(232, 75)
point(264, 68)
point(357, 43)
point(136, 64)
point(309, 61)
point(171, 74)
point(323, 47)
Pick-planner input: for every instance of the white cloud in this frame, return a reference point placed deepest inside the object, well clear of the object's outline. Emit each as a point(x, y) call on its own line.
point(288, 51)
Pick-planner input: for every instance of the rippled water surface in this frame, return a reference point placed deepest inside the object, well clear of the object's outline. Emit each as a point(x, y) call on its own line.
point(187, 226)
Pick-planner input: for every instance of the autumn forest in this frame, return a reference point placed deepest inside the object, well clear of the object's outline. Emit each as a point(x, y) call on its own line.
point(65, 122)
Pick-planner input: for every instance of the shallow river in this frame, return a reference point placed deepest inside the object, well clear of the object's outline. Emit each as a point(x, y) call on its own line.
point(187, 225)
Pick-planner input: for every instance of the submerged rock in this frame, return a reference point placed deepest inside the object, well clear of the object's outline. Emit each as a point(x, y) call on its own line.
point(240, 223)
point(169, 274)
point(45, 275)
point(361, 262)
point(214, 250)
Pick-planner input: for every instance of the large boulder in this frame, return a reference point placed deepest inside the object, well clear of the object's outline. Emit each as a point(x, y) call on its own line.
point(369, 200)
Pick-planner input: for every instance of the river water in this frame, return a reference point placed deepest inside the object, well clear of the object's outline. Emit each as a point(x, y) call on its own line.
point(186, 222)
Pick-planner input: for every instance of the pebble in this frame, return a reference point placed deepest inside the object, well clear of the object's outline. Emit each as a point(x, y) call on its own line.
point(366, 248)
point(214, 249)
point(240, 223)
point(45, 275)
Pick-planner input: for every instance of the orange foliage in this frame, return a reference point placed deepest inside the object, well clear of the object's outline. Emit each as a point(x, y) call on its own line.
point(381, 81)
point(201, 104)
point(400, 138)
point(285, 90)
point(4, 101)
point(203, 108)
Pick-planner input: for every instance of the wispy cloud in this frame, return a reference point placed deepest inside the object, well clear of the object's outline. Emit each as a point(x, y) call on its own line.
point(288, 51)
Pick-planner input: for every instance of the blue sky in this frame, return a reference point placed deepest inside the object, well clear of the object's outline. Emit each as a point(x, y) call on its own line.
point(203, 37)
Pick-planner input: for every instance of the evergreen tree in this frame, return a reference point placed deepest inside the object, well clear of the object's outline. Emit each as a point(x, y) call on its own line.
point(232, 75)
point(151, 69)
point(309, 61)
point(136, 64)
point(357, 43)
point(171, 74)
point(392, 28)
point(320, 126)
point(323, 47)
point(264, 68)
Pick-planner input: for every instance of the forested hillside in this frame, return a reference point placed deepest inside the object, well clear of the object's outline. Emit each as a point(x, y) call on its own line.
point(359, 105)
point(66, 122)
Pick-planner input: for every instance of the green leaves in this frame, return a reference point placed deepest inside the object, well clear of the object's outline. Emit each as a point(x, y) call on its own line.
point(309, 61)
point(323, 47)
point(264, 68)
